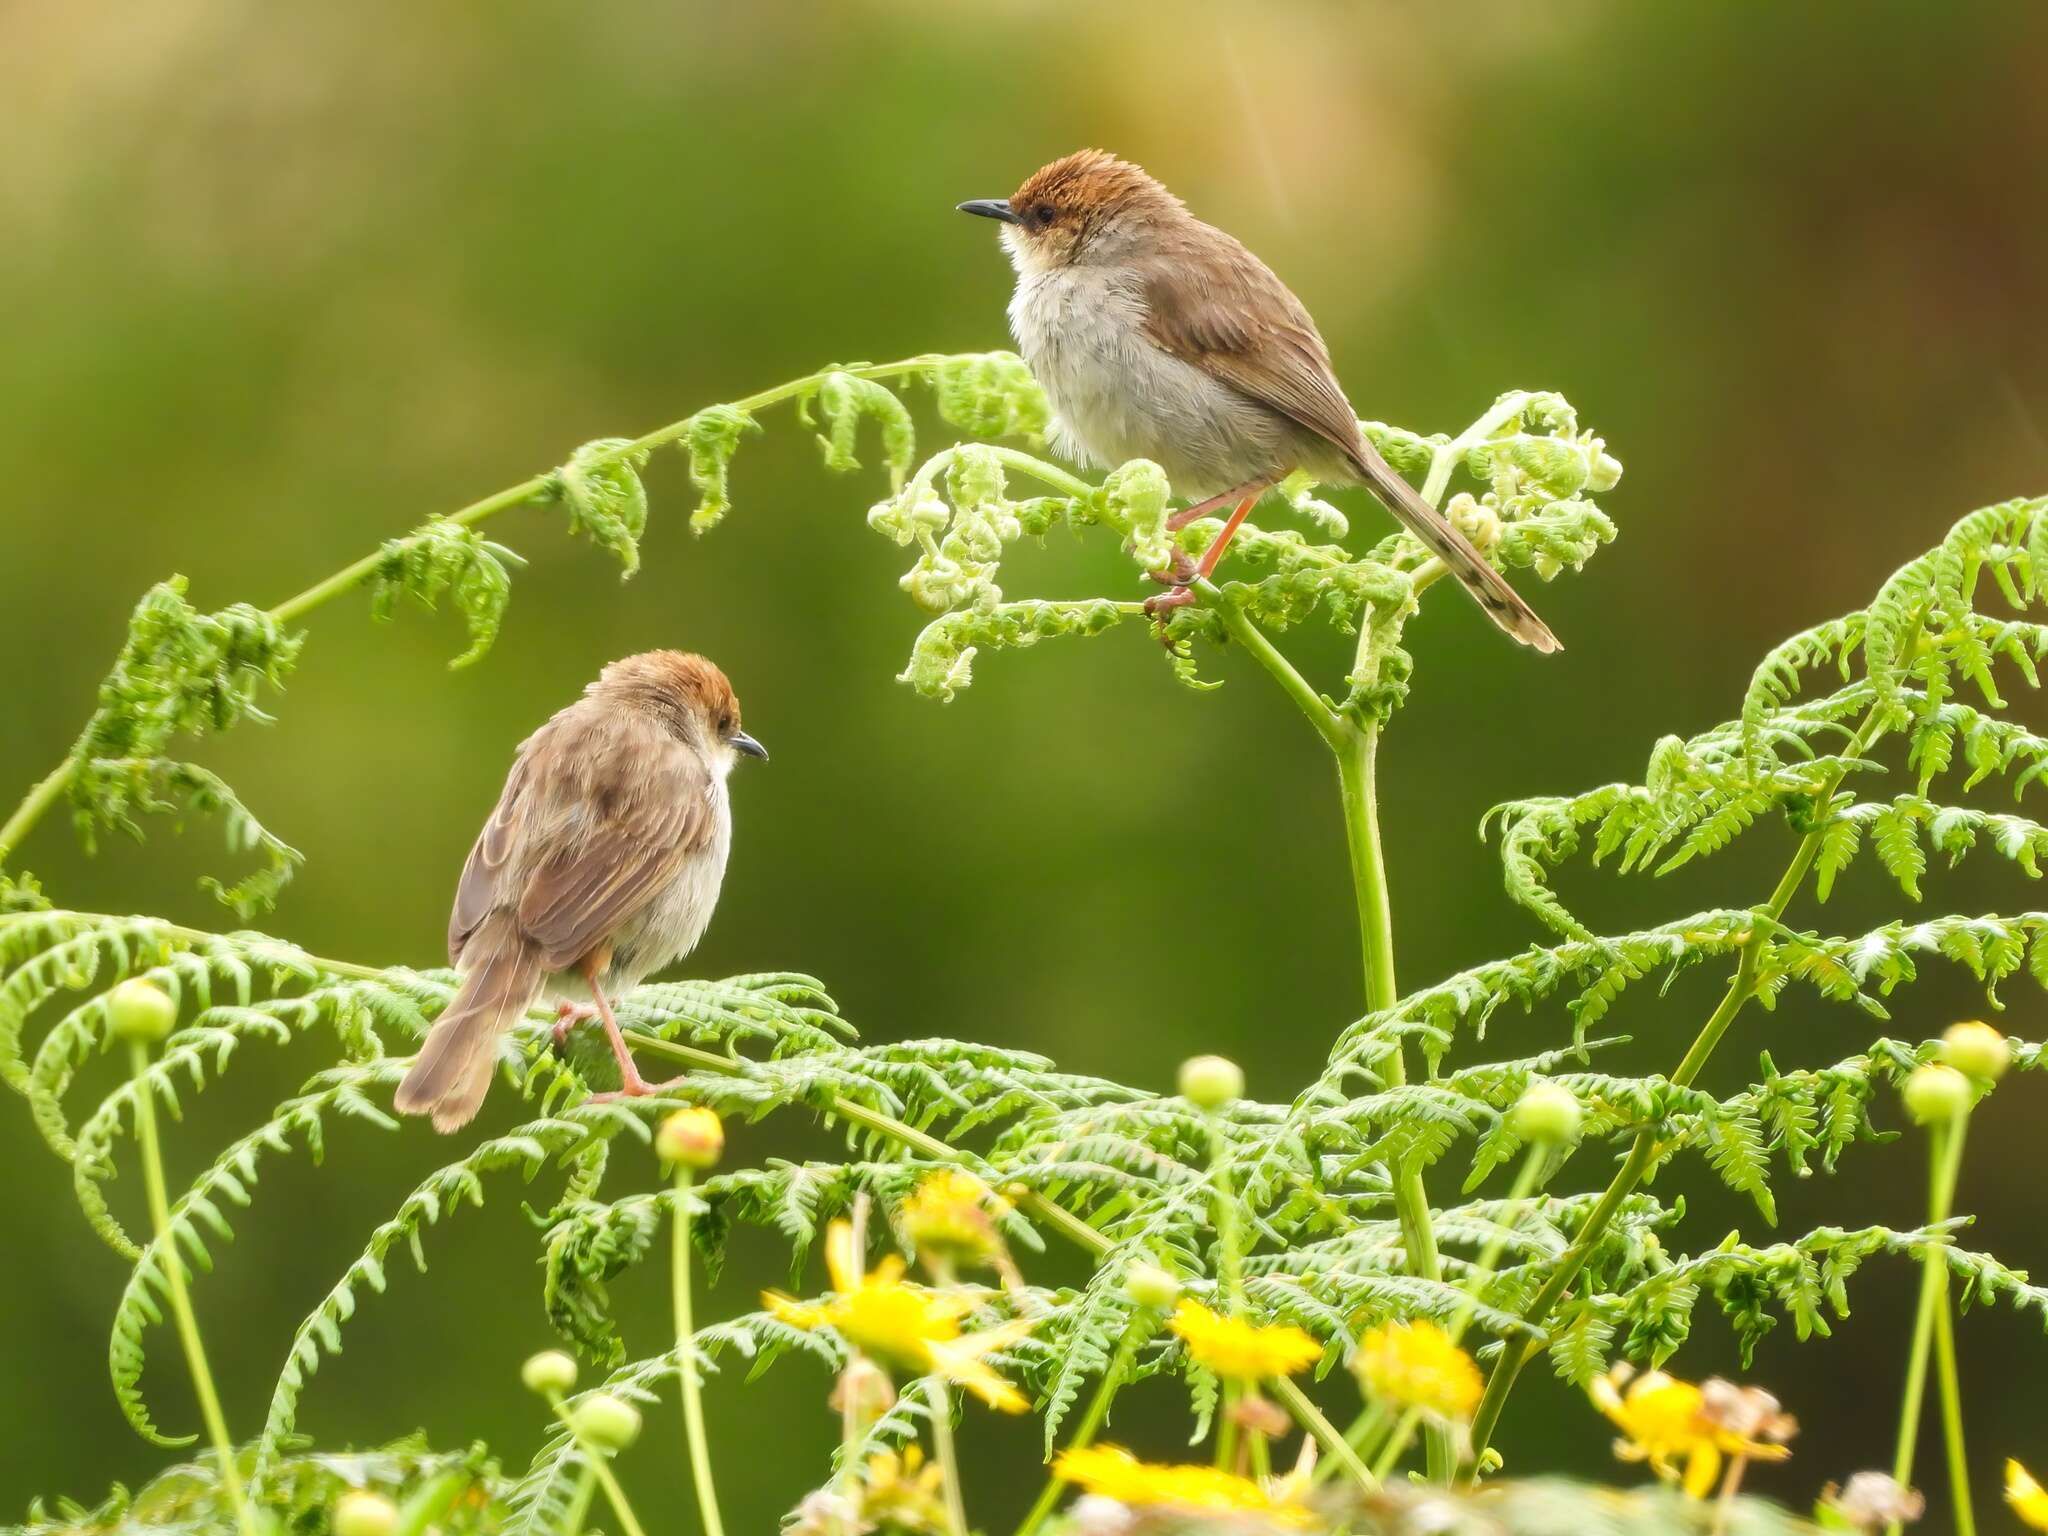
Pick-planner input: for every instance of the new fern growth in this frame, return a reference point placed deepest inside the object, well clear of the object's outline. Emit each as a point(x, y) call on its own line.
point(1313, 1215)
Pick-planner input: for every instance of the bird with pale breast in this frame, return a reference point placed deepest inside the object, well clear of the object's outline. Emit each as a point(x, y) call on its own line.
point(1156, 336)
point(601, 865)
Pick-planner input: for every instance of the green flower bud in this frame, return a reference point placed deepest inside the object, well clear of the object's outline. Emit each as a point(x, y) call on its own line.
point(1150, 1286)
point(1936, 1094)
point(140, 1010)
point(607, 1422)
point(1977, 1049)
point(1210, 1082)
point(1546, 1112)
point(549, 1371)
point(359, 1512)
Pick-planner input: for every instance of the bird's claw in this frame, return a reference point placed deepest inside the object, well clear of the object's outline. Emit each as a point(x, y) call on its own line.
point(1179, 595)
point(567, 1017)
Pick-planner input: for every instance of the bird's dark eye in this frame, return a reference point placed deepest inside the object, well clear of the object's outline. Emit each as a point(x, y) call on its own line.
point(1043, 214)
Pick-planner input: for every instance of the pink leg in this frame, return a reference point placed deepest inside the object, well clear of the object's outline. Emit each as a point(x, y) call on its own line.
point(1187, 515)
point(1183, 588)
point(631, 1084)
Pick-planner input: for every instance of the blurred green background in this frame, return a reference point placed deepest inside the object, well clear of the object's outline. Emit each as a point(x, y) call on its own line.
point(278, 281)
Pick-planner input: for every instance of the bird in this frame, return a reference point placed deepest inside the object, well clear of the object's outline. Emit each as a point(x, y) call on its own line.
point(1157, 336)
point(600, 865)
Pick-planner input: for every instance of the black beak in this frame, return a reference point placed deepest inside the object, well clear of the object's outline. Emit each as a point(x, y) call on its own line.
point(992, 208)
point(742, 742)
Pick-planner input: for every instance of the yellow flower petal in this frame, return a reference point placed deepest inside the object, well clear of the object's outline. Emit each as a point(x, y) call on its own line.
point(2027, 1498)
point(1415, 1365)
point(1114, 1473)
point(902, 1325)
point(1240, 1351)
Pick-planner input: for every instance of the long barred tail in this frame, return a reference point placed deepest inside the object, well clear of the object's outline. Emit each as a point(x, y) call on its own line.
point(1487, 586)
point(501, 976)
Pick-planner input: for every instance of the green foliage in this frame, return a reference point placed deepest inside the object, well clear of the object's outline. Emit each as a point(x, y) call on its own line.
point(460, 1494)
point(1300, 1213)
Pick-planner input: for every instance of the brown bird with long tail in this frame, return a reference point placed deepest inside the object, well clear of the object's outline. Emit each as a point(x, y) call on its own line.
point(601, 864)
point(1159, 337)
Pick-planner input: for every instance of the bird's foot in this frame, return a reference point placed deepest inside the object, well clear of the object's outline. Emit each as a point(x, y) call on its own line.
point(1177, 595)
point(635, 1087)
point(567, 1017)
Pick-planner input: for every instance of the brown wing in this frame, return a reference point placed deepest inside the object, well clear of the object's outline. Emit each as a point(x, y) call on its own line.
point(477, 892)
point(642, 813)
point(1239, 323)
point(597, 818)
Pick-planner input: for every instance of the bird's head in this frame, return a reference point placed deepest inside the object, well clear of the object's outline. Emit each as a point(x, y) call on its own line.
point(690, 696)
point(1089, 207)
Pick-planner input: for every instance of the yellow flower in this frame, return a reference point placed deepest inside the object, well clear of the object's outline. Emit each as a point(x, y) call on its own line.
point(952, 1214)
point(901, 1493)
point(1240, 1351)
point(1663, 1422)
point(693, 1137)
point(2028, 1499)
point(1417, 1366)
point(1114, 1473)
point(907, 1326)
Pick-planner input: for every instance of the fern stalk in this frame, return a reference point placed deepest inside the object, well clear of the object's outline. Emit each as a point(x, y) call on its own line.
point(1642, 1154)
point(1945, 1160)
point(30, 811)
point(686, 1364)
point(181, 1300)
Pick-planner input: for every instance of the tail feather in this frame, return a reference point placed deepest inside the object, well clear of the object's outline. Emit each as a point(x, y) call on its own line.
point(1487, 586)
point(501, 976)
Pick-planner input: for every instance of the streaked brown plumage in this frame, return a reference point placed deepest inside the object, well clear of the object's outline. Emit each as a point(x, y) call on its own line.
point(1160, 337)
point(601, 864)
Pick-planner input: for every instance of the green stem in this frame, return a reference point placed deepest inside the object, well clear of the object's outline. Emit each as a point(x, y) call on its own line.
point(1310, 1418)
point(1084, 1432)
point(597, 1465)
point(1945, 1159)
point(949, 1461)
point(181, 1301)
point(686, 1363)
point(1515, 1353)
point(38, 800)
point(579, 1506)
point(1952, 1416)
point(1526, 1180)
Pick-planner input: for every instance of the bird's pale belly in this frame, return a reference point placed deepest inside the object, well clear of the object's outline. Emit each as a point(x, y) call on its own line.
point(667, 929)
point(1117, 396)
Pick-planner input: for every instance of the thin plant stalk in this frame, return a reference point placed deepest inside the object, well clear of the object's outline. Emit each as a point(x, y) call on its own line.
point(1311, 1418)
point(949, 1461)
point(180, 1298)
point(1945, 1159)
point(686, 1364)
point(579, 1506)
point(1526, 1179)
point(597, 1464)
point(1952, 1417)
